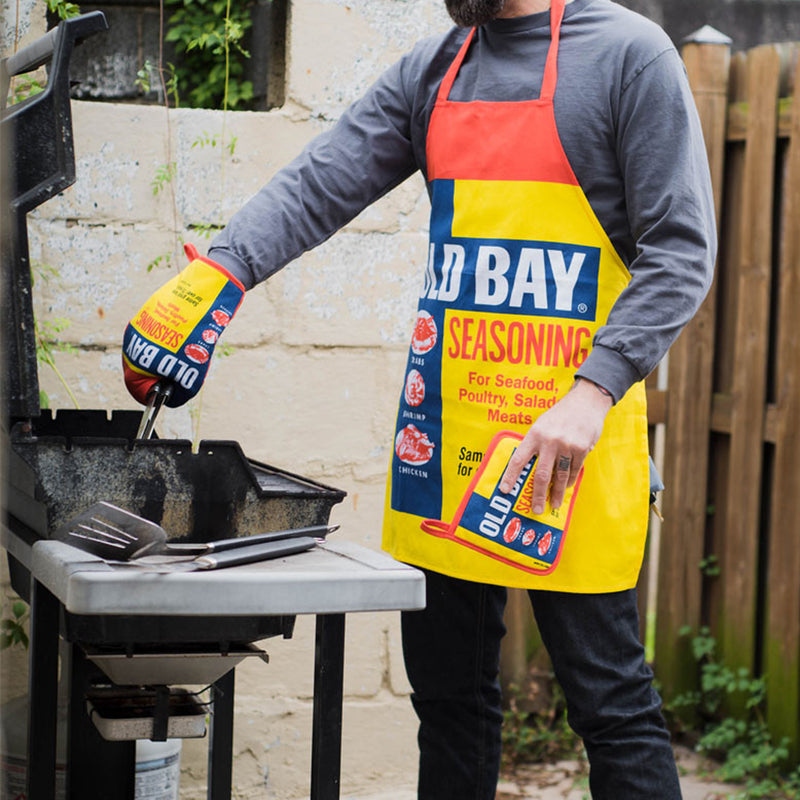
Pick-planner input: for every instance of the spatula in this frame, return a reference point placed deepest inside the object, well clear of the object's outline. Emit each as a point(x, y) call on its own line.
point(111, 532)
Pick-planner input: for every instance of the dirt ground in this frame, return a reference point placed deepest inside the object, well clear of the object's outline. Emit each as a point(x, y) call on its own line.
point(567, 780)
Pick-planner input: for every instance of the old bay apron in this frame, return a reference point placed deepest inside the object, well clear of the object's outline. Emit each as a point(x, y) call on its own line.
point(520, 276)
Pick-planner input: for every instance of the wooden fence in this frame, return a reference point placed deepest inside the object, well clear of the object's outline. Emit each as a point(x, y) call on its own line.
point(731, 409)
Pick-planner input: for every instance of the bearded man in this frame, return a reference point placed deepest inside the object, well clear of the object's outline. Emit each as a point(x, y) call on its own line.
point(572, 237)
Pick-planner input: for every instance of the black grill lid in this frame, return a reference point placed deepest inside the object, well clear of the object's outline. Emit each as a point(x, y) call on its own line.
point(37, 135)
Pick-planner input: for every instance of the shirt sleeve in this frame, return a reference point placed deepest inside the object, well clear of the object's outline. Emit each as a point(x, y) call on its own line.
point(668, 194)
point(367, 153)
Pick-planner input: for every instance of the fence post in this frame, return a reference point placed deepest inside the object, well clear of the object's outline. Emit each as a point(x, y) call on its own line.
point(782, 636)
point(520, 627)
point(706, 55)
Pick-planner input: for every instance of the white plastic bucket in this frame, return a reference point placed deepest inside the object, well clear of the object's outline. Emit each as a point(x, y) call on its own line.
point(158, 769)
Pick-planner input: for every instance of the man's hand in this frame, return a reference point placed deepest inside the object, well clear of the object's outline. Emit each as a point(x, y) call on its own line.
point(172, 337)
point(560, 439)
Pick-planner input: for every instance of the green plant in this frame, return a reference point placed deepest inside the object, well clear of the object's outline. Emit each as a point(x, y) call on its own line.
point(47, 344)
point(164, 175)
point(150, 76)
point(165, 259)
point(208, 140)
point(47, 335)
point(709, 566)
point(12, 628)
point(743, 746)
point(542, 735)
point(208, 35)
point(205, 230)
point(63, 9)
point(23, 88)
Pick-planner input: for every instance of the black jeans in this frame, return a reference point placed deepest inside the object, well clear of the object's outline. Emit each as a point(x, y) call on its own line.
point(452, 652)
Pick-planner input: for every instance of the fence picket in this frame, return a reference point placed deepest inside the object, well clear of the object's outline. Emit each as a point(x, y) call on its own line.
point(689, 412)
point(741, 507)
point(782, 624)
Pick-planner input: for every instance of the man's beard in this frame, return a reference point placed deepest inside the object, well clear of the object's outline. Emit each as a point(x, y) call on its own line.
point(467, 13)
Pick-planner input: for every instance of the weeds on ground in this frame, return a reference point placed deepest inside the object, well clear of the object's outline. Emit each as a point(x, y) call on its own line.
point(539, 735)
point(742, 747)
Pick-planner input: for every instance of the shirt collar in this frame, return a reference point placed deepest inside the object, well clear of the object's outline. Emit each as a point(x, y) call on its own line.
point(531, 21)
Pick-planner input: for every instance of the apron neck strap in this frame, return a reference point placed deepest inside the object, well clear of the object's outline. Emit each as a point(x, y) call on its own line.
point(551, 65)
point(450, 76)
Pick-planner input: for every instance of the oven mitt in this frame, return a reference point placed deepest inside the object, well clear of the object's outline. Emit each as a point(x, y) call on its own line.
point(502, 525)
point(173, 335)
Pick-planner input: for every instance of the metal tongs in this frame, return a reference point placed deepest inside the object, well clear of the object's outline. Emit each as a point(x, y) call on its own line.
point(158, 395)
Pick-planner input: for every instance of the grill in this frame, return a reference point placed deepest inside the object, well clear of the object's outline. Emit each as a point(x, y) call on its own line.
point(72, 459)
point(132, 638)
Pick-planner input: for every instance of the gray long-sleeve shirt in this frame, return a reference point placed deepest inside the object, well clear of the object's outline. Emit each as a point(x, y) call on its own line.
point(628, 125)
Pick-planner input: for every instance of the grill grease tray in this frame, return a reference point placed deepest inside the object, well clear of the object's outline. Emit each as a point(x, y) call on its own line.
point(192, 665)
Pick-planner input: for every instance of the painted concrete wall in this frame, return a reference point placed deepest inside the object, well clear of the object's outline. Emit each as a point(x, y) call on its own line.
point(317, 354)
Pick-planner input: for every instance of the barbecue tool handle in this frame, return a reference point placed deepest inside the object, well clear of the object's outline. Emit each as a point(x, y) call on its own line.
point(238, 542)
point(315, 532)
point(159, 395)
point(256, 552)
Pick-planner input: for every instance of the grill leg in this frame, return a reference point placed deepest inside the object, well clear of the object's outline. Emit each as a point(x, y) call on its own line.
point(97, 769)
point(326, 749)
point(220, 755)
point(42, 693)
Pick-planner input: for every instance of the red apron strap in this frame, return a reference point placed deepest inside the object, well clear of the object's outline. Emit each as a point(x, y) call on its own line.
point(551, 65)
point(450, 75)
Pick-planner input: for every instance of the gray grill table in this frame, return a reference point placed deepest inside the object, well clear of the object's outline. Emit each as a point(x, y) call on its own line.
point(329, 581)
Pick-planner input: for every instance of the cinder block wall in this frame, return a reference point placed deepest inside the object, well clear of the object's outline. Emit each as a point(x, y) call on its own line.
point(313, 376)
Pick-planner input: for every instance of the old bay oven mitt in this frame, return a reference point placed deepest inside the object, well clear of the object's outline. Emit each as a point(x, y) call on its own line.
point(173, 335)
point(502, 526)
